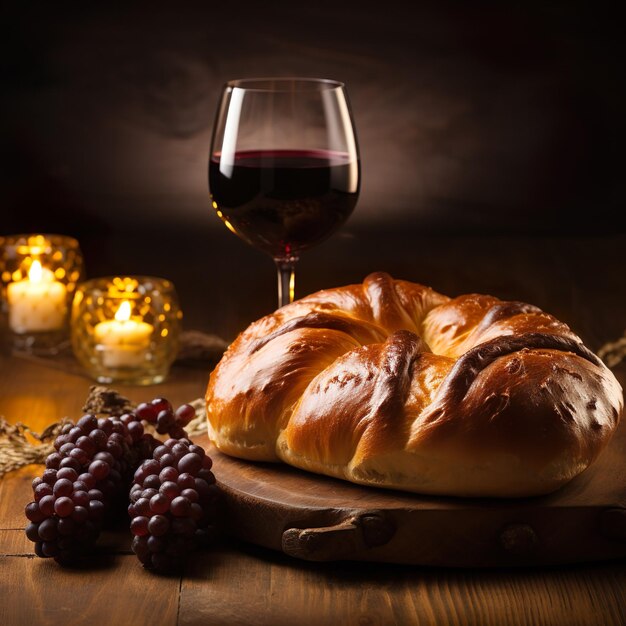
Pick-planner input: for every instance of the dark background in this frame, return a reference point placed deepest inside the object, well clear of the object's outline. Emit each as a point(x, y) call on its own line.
point(491, 137)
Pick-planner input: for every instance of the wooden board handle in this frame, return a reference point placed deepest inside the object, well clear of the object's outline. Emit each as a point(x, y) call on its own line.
point(345, 540)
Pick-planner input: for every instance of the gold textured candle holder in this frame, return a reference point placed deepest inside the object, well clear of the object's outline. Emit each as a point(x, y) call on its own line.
point(38, 275)
point(126, 329)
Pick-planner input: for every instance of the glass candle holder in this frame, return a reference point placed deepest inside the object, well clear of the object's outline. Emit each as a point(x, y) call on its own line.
point(38, 274)
point(126, 329)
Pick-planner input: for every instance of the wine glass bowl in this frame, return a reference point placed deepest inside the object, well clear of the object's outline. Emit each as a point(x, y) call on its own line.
point(284, 171)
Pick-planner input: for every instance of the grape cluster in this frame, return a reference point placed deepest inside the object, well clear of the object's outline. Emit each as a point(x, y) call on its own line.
point(173, 502)
point(88, 476)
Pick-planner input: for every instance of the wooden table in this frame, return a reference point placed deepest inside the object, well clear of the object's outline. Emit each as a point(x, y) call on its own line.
point(242, 584)
point(577, 279)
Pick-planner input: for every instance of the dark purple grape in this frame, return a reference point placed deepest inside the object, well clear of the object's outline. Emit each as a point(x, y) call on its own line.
point(62, 487)
point(190, 494)
point(155, 543)
point(167, 460)
point(48, 529)
point(159, 503)
point(105, 456)
point(158, 525)
point(159, 451)
point(148, 493)
point(150, 467)
point(99, 438)
point(59, 441)
point(88, 480)
point(183, 526)
point(67, 472)
point(105, 424)
point(64, 506)
point(88, 423)
point(95, 494)
point(197, 512)
point(190, 463)
point(152, 482)
point(50, 548)
point(165, 421)
point(70, 462)
point(206, 475)
point(139, 526)
point(66, 526)
point(135, 430)
point(186, 481)
point(99, 469)
point(161, 404)
point(78, 485)
point(32, 531)
point(34, 513)
point(80, 514)
point(180, 507)
point(168, 474)
point(42, 490)
point(49, 476)
point(66, 448)
point(75, 433)
point(87, 444)
point(80, 498)
point(199, 450)
point(140, 548)
point(142, 507)
point(115, 449)
point(179, 450)
point(184, 414)
point(177, 431)
point(79, 455)
point(96, 510)
point(53, 460)
point(127, 419)
point(46, 505)
point(147, 412)
point(170, 490)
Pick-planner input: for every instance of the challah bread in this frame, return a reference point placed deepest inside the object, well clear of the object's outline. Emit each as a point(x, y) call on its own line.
point(391, 384)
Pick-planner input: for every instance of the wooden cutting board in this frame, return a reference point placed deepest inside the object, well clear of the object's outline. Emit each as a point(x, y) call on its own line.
point(324, 519)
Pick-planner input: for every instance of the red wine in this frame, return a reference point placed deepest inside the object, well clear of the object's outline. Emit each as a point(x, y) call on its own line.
point(284, 201)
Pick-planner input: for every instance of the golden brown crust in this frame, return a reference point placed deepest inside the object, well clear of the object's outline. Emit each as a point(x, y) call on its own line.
point(391, 384)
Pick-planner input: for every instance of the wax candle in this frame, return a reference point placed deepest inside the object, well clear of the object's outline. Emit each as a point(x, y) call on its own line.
point(37, 304)
point(123, 341)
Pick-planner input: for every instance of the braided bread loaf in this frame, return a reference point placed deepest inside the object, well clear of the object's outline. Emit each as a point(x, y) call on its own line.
point(391, 384)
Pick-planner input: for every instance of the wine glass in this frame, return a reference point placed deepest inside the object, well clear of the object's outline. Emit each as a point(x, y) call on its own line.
point(284, 169)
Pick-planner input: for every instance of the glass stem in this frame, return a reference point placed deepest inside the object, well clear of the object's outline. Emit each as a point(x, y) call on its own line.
point(286, 268)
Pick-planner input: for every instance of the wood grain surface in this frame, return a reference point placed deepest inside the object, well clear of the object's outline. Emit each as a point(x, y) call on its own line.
point(238, 583)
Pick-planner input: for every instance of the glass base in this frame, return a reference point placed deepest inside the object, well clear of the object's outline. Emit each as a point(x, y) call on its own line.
point(40, 344)
point(130, 377)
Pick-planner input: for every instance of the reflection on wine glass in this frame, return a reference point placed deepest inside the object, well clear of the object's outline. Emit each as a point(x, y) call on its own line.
point(284, 168)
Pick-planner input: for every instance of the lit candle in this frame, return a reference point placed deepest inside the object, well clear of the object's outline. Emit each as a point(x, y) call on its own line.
point(123, 341)
point(38, 303)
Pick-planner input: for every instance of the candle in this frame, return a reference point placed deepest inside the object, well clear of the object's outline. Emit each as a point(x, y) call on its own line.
point(123, 341)
point(37, 304)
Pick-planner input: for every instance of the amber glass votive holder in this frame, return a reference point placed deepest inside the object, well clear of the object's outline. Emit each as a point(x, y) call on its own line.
point(125, 329)
point(38, 274)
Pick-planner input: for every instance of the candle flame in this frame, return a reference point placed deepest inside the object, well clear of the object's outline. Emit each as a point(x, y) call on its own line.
point(35, 274)
point(123, 313)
